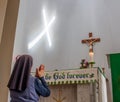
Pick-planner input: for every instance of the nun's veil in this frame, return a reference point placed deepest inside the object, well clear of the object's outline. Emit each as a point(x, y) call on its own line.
point(21, 71)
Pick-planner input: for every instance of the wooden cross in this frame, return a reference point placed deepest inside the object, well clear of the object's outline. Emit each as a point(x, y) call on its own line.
point(90, 42)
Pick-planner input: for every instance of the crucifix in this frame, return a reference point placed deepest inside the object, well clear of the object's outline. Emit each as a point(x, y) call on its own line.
point(90, 43)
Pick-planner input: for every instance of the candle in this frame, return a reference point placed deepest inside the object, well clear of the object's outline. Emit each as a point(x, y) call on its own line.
point(91, 54)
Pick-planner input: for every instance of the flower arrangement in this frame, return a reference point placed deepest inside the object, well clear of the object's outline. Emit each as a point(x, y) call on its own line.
point(84, 64)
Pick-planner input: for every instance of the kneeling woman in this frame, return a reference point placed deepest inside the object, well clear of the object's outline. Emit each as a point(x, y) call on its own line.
point(23, 86)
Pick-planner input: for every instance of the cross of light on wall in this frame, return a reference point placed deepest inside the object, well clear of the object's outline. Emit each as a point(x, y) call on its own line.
point(45, 31)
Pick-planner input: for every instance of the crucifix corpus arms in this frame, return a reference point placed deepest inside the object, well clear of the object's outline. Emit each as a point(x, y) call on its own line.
point(90, 43)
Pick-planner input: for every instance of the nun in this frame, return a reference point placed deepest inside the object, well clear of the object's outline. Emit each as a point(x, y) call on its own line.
point(23, 86)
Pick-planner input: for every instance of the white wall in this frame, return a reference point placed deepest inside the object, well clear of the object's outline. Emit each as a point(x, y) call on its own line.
point(114, 16)
point(74, 20)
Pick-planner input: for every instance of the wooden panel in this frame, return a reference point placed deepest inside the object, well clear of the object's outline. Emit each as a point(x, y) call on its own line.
point(63, 93)
point(83, 93)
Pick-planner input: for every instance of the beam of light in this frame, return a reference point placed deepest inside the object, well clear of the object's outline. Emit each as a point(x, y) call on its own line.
point(32, 43)
point(48, 35)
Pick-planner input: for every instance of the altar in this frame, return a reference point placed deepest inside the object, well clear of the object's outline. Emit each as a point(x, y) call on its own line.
point(77, 85)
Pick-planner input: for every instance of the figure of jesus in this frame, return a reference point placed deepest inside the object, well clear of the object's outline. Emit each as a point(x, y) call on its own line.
point(90, 43)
